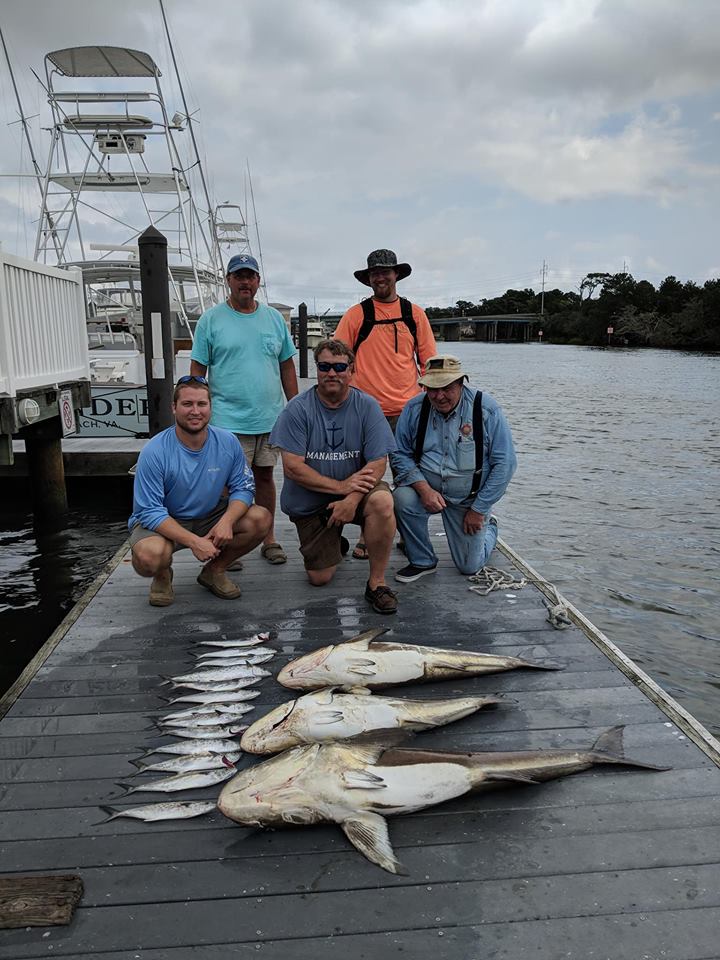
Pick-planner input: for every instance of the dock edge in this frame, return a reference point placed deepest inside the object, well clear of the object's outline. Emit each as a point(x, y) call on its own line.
point(689, 725)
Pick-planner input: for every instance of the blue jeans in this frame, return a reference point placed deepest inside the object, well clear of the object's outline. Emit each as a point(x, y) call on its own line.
point(469, 552)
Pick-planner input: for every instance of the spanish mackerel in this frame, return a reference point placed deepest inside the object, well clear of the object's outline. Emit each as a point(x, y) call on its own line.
point(330, 715)
point(172, 810)
point(186, 763)
point(239, 653)
point(235, 661)
point(252, 642)
point(369, 662)
point(357, 785)
point(240, 672)
point(184, 747)
point(231, 686)
point(223, 696)
point(183, 781)
point(202, 733)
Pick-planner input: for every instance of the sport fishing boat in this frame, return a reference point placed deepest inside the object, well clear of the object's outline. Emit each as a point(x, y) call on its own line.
point(121, 160)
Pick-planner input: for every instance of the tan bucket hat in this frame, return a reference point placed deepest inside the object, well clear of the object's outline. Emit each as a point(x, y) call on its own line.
point(441, 371)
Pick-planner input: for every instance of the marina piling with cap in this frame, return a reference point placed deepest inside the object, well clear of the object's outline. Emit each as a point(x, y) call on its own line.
point(156, 327)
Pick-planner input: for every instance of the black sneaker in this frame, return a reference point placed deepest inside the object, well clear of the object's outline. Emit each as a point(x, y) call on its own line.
point(382, 599)
point(409, 573)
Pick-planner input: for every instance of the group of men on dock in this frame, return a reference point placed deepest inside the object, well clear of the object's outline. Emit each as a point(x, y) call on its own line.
point(206, 484)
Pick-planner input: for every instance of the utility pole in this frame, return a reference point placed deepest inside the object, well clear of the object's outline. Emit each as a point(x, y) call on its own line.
point(542, 294)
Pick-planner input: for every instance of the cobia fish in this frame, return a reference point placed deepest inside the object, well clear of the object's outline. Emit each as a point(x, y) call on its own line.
point(357, 785)
point(331, 715)
point(370, 662)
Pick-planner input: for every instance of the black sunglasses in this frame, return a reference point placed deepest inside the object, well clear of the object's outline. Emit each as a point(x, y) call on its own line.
point(191, 378)
point(325, 366)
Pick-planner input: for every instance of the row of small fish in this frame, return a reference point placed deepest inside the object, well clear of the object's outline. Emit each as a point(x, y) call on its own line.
point(205, 751)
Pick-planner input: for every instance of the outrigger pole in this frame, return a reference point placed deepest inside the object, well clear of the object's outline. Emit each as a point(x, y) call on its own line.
point(211, 213)
point(28, 139)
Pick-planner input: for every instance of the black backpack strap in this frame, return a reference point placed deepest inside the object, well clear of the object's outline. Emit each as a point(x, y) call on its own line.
point(369, 321)
point(408, 319)
point(478, 437)
point(421, 428)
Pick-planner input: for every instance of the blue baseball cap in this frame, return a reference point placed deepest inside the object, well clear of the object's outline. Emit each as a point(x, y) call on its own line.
point(243, 261)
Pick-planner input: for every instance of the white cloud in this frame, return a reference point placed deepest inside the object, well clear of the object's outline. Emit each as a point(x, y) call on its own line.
point(433, 126)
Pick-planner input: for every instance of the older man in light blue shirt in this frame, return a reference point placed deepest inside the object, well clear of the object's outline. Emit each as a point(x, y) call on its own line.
point(439, 469)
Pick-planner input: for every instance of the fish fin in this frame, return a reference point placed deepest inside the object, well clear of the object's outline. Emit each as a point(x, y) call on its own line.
point(360, 691)
point(609, 748)
point(363, 640)
point(507, 777)
point(363, 780)
point(131, 788)
point(368, 833)
point(327, 716)
point(112, 812)
point(325, 695)
point(139, 764)
point(364, 668)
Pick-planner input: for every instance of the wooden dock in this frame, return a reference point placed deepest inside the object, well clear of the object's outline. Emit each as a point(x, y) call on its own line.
point(611, 863)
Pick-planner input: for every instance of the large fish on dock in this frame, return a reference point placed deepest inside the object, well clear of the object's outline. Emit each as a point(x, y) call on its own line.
point(357, 785)
point(330, 715)
point(369, 662)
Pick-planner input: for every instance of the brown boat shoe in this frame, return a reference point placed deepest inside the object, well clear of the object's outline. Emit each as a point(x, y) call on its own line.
point(382, 599)
point(161, 590)
point(219, 584)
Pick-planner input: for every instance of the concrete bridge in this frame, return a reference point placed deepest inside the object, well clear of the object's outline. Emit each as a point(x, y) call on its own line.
point(505, 327)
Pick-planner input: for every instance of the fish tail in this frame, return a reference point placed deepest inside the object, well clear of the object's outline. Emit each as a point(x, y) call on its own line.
point(112, 813)
point(141, 765)
point(126, 786)
point(545, 665)
point(610, 748)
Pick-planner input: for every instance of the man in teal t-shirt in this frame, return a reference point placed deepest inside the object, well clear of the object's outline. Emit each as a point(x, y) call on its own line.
point(245, 349)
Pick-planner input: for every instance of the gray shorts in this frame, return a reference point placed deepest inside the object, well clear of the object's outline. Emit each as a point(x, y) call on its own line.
point(200, 526)
point(257, 450)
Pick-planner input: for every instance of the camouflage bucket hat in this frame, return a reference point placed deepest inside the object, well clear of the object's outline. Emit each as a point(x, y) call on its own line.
point(380, 259)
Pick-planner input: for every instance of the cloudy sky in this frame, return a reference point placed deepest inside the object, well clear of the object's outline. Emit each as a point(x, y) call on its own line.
point(476, 138)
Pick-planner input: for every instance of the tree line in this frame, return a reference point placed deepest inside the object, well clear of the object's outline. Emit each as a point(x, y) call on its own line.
point(673, 315)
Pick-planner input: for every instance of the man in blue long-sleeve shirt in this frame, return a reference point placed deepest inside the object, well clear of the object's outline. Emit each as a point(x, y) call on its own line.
point(180, 499)
point(441, 472)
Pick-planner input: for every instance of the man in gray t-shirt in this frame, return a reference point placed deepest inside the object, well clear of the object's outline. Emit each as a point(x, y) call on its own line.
point(334, 441)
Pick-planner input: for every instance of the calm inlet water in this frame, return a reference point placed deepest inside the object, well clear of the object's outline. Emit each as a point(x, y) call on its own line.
point(615, 501)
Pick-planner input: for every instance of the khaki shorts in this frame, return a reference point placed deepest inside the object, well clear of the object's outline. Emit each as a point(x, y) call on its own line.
point(200, 526)
point(320, 544)
point(257, 450)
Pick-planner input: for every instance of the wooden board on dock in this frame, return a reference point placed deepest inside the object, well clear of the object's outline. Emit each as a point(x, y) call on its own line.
point(613, 863)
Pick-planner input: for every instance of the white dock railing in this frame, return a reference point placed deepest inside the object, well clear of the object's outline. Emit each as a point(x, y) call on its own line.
point(43, 335)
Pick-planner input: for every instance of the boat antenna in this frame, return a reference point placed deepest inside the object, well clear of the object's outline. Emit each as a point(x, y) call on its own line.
point(26, 131)
point(190, 121)
point(257, 231)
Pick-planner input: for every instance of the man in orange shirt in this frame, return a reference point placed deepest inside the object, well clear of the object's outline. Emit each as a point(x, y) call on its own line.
point(391, 339)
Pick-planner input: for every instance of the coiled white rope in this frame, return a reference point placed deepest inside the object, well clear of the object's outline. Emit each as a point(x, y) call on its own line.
point(488, 579)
